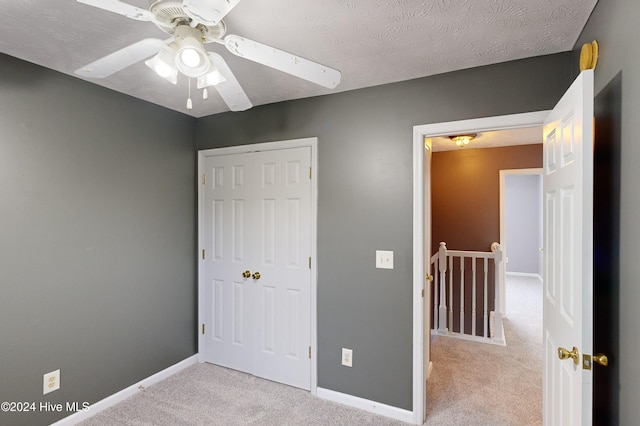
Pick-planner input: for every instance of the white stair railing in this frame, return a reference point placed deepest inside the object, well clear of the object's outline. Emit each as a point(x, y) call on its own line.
point(446, 281)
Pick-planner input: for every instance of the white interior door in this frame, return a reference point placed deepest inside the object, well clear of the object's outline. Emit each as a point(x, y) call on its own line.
point(428, 282)
point(568, 255)
point(256, 213)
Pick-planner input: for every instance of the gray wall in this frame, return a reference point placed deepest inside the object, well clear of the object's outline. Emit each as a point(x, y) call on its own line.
point(523, 223)
point(97, 238)
point(613, 24)
point(365, 201)
point(98, 223)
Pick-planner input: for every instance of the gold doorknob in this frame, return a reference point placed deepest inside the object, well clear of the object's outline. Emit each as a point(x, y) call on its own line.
point(601, 359)
point(565, 354)
point(429, 277)
point(256, 276)
point(246, 274)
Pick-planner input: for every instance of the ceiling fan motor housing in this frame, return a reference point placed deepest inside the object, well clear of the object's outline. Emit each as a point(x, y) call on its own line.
point(170, 15)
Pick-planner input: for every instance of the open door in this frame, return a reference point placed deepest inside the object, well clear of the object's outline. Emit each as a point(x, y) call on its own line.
point(427, 267)
point(568, 256)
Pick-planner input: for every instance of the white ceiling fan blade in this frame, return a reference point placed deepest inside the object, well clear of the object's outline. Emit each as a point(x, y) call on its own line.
point(230, 89)
point(208, 12)
point(283, 61)
point(121, 8)
point(121, 59)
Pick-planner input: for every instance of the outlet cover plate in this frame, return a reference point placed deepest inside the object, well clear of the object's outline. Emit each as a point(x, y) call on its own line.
point(51, 382)
point(384, 259)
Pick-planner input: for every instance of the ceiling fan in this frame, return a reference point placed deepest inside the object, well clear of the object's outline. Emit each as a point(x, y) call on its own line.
point(191, 24)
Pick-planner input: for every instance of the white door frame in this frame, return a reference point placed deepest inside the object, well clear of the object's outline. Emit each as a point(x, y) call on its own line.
point(268, 146)
point(420, 212)
point(503, 226)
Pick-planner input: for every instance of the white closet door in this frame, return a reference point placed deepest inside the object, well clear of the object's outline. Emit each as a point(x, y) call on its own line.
point(257, 209)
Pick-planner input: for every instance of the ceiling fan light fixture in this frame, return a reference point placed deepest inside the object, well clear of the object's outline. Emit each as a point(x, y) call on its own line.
point(164, 65)
point(191, 59)
point(212, 78)
point(463, 140)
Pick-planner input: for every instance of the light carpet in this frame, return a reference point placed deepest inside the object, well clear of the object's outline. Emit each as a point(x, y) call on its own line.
point(471, 384)
point(480, 384)
point(206, 394)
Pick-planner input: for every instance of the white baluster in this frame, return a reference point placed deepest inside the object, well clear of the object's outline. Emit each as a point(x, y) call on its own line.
point(436, 284)
point(473, 296)
point(450, 296)
point(443, 304)
point(461, 294)
point(442, 265)
point(486, 296)
point(497, 316)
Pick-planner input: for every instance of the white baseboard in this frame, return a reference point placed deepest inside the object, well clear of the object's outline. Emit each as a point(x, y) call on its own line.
point(126, 393)
point(524, 274)
point(367, 405)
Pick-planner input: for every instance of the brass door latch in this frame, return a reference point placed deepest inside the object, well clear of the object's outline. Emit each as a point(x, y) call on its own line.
point(586, 359)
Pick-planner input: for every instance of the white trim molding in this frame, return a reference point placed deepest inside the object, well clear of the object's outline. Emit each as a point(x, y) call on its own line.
point(524, 275)
point(366, 405)
point(118, 397)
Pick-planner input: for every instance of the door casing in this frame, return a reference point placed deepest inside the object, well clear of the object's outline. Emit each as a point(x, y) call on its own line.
point(422, 215)
point(245, 149)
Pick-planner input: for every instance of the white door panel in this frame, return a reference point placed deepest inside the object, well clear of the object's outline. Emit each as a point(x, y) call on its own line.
point(285, 274)
point(257, 215)
point(228, 342)
point(568, 254)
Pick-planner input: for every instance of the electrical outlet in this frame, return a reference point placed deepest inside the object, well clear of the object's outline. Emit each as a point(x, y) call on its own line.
point(51, 382)
point(347, 357)
point(384, 259)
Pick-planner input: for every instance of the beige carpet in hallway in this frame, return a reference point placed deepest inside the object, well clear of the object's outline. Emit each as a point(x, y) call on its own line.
point(480, 384)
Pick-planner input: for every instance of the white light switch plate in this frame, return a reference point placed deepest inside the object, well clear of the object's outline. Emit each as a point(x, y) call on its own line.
point(384, 259)
point(347, 357)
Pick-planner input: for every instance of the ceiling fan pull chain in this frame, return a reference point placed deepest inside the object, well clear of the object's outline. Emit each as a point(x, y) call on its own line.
point(189, 102)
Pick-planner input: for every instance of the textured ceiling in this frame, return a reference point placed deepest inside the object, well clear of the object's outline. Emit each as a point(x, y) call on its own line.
point(371, 42)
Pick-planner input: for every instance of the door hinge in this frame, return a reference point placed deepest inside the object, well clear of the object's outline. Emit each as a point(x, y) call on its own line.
point(203, 328)
point(309, 262)
point(309, 352)
point(204, 179)
point(423, 293)
point(309, 172)
point(203, 254)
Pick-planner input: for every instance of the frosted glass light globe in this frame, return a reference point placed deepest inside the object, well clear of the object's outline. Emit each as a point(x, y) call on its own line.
point(190, 58)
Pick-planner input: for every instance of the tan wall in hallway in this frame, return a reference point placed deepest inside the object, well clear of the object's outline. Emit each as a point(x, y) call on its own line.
point(466, 210)
point(465, 188)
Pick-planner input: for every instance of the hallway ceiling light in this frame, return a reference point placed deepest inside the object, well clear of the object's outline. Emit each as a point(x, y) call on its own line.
point(463, 140)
